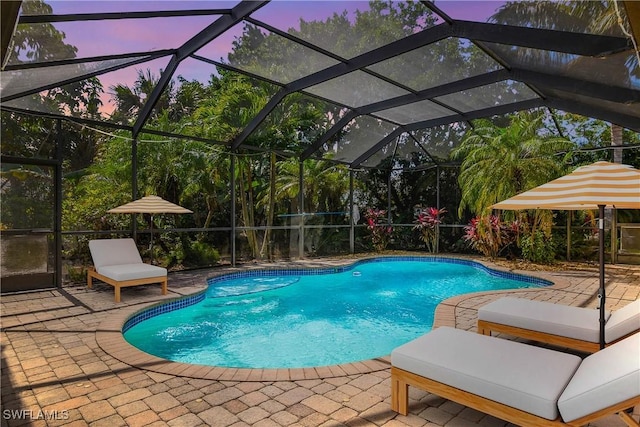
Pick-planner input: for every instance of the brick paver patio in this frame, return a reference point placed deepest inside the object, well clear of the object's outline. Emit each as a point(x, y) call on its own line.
point(55, 372)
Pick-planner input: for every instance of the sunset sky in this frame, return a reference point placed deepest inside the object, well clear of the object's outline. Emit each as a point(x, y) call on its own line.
point(143, 35)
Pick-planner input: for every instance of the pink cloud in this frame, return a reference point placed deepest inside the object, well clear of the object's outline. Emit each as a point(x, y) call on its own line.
point(131, 35)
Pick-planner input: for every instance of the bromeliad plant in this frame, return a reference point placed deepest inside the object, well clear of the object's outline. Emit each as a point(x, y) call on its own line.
point(426, 223)
point(378, 227)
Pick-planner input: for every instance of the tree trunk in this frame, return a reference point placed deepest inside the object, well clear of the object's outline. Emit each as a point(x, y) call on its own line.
point(271, 208)
point(255, 249)
point(247, 208)
point(207, 221)
point(616, 140)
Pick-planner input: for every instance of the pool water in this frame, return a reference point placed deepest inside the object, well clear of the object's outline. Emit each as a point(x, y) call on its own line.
point(291, 320)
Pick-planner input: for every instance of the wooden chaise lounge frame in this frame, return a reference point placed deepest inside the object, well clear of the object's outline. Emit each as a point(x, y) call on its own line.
point(121, 258)
point(523, 384)
point(401, 380)
point(630, 316)
point(486, 328)
point(92, 273)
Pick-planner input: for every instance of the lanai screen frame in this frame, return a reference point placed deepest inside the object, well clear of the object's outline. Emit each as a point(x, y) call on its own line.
point(480, 34)
point(483, 35)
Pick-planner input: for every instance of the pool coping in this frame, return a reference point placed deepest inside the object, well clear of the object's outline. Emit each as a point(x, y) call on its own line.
point(110, 338)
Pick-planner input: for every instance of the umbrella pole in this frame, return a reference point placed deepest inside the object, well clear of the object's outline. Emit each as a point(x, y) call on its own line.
point(151, 245)
point(601, 291)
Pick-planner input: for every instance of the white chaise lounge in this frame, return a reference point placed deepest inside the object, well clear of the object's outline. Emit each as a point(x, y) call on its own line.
point(520, 383)
point(118, 263)
point(557, 324)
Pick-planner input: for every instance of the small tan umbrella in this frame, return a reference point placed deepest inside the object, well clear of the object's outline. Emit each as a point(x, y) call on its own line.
point(150, 205)
point(595, 186)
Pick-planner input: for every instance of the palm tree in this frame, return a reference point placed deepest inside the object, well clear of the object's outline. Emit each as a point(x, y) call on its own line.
point(325, 184)
point(130, 99)
point(325, 188)
point(500, 162)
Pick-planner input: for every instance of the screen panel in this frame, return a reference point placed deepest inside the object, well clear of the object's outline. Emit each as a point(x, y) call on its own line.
point(436, 64)
point(415, 112)
point(348, 28)
point(356, 89)
point(258, 51)
point(500, 93)
point(361, 134)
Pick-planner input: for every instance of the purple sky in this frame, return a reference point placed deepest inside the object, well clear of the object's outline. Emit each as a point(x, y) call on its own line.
point(128, 35)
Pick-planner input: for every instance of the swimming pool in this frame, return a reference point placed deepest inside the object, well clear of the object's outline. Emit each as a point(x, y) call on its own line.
point(302, 318)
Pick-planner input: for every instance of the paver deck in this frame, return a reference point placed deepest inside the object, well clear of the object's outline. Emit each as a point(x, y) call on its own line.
point(55, 370)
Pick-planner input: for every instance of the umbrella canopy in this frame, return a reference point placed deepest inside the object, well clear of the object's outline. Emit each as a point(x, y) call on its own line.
point(587, 187)
point(596, 186)
point(150, 205)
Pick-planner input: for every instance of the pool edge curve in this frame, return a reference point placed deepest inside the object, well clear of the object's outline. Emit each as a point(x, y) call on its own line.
point(110, 337)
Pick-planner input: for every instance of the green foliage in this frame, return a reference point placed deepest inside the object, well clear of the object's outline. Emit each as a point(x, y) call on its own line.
point(325, 184)
point(500, 162)
point(200, 254)
point(27, 136)
point(77, 274)
point(106, 184)
point(39, 43)
point(130, 100)
point(27, 197)
point(538, 247)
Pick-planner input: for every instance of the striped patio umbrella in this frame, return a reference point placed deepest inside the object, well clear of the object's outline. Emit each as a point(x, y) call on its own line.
point(587, 187)
point(596, 186)
point(150, 205)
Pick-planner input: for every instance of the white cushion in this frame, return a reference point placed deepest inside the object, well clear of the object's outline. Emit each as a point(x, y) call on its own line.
point(623, 322)
point(518, 375)
point(557, 319)
point(603, 379)
point(131, 271)
point(113, 252)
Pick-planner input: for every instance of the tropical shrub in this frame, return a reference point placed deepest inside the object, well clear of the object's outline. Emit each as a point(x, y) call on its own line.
point(485, 235)
point(427, 221)
point(380, 231)
point(490, 236)
point(77, 274)
point(539, 247)
point(201, 254)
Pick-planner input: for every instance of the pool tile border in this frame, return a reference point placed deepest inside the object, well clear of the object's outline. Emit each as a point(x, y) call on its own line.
point(318, 271)
point(110, 333)
point(163, 307)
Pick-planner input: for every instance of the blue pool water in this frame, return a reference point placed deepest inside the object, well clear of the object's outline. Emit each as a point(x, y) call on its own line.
point(292, 319)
